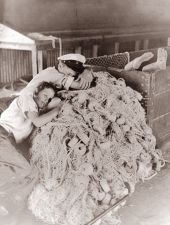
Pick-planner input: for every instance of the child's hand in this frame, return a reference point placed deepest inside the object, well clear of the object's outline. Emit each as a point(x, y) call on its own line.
point(54, 103)
point(85, 79)
point(60, 105)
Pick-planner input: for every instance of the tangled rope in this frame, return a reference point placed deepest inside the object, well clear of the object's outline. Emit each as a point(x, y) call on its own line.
point(94, 153)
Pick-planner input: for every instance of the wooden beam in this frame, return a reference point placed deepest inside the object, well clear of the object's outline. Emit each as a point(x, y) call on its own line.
point(16, 46)
point(117, 44)
point(40, 60)
point(146, 44)
point(137, 45)
point(78, 49)
point(34, 60)
point(95, 50)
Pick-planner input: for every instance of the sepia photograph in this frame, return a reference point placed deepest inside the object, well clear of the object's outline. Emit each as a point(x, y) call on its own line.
point(84, 112)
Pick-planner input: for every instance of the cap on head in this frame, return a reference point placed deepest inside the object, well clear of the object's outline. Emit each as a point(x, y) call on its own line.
point(73, 56)
point(74, 61)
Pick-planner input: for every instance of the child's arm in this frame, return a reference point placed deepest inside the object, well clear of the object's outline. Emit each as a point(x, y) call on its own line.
point(84, 80)
point(40, 120)
point(76, 85)
point(54, 103)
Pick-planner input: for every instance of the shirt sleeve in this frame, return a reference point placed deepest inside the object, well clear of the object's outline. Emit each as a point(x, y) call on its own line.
point(49, 75)
point(67, 82)
point(27, 104)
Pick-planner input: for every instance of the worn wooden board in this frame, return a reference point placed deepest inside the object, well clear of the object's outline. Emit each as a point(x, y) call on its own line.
point(161, 104)
point(161, 125)
point(155, 89)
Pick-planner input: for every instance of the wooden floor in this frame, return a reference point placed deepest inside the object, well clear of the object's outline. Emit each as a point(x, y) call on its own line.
point(150, 204)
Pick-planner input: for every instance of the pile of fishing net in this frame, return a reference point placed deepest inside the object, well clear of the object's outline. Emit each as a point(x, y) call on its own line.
point(93, 154)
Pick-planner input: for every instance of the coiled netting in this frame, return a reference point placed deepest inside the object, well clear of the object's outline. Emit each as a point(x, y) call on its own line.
point(92, 154)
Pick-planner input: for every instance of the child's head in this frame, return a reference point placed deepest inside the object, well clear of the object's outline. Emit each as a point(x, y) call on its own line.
point(71, 64)
point(44, 93)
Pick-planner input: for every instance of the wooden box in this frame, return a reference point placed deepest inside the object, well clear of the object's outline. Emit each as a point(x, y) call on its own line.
point(155, 89)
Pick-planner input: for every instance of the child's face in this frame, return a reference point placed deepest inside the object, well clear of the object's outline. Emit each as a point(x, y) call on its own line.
point(44, 96)
point(63, 68)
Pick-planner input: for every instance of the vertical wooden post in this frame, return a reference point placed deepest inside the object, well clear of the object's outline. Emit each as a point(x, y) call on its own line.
point(146, 44)
point(60, 46)
point(78, 49)
point(117, 44)
point(34, 60)
point(44, 59)
point(40, 60)
point(95, 50)
point(137, 45)
point(168, 41)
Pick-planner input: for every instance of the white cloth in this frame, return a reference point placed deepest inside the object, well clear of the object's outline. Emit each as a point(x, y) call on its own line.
point(14, 118)
point(48, 75)
point(73, 56)
point(68, 82)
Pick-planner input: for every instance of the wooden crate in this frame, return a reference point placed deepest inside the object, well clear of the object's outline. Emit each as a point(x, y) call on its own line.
point(155, 89)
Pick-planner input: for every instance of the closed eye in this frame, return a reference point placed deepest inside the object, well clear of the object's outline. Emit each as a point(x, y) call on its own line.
point(49, 100)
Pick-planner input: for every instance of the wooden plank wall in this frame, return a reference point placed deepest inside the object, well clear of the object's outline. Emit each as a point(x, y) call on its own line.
point(104, 44)
point(15, 64)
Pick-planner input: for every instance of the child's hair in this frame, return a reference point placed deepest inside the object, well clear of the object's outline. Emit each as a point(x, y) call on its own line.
point(76, 66)
point(44, 85)
point(41, 87)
